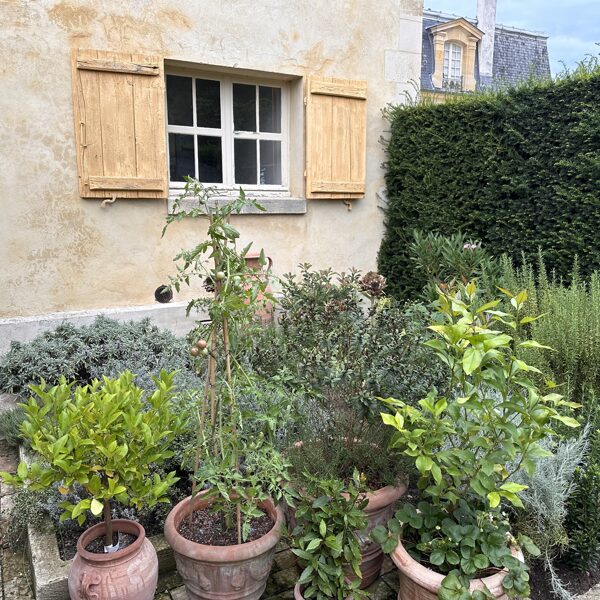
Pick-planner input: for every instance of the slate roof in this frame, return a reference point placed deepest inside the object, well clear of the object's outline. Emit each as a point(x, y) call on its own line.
point(518, 54)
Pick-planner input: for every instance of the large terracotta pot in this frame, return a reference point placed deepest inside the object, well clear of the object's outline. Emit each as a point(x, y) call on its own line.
point(420, 583)
point(380, 510)
point(128, 574)
point(214, 572)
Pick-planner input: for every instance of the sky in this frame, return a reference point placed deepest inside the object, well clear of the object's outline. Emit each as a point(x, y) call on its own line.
point(573, 25)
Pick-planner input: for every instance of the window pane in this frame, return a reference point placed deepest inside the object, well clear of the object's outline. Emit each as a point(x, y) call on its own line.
point(244, 107)
point(270, 162)
point(269, 109)
point(209, 159)
point(179, 100)
point(245, 161)
point(208, 103)
point(181, 156)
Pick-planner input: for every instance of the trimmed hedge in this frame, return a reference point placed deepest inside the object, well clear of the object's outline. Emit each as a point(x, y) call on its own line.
point(516, 170)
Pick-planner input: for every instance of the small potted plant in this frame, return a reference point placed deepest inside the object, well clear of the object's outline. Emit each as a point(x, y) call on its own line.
point(467, 444)
point(224, 535)
point(325, 538)
point(105, 437)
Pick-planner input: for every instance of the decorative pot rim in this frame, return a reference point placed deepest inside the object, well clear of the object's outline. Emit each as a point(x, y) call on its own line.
point(431, 581)
point(119, 525)
point(381, 496)
point(218, 554)
point(384, 496)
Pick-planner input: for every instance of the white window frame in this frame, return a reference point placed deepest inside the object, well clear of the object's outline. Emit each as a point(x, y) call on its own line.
point(450, 63)
point(227, 133)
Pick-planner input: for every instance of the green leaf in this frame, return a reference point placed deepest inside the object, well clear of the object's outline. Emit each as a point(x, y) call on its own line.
point(533, 344)
point(22, 470)
point(512, 487)
point(314, 544)
point(568, 421)
point(494, 499)
point(96, 507)
point(322, 528)
point(424, 464)
point(471, 360)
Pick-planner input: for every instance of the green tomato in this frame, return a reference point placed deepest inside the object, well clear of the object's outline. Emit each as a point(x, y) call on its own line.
point(220, 275)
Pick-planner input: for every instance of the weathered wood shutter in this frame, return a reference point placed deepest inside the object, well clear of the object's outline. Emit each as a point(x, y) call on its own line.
point(336, 133)
point(119, 105)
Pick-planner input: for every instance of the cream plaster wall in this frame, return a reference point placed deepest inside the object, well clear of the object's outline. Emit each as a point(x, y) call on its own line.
point(59, 252)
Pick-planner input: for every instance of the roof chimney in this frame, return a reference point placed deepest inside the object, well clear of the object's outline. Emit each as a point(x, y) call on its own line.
point(486, 21)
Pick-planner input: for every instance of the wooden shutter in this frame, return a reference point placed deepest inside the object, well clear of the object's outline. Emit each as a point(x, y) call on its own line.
point(336, 133)
point(119, 105)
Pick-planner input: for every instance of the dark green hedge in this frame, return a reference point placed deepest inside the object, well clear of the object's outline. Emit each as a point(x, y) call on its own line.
point(515, 170)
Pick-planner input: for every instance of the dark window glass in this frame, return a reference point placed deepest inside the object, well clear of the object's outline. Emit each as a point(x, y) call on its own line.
point(179, 100)
point(270, 162)
point(210, 169)
point(208, 103)
point(244, 107)
point(245, 161)
point(269, 109)
point(181, 156)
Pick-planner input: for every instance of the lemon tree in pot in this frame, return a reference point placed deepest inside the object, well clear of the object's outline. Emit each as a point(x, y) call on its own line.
point(105, 437)
point(467, 444)
point(224, 535)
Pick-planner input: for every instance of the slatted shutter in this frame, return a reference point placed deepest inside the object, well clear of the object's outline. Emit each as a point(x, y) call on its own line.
point(119, 105)
point(336, 133)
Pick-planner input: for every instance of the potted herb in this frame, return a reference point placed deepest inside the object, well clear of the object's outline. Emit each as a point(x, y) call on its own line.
point(105, 437)
point(224, 535)
point(325, 538)
point(467, 444)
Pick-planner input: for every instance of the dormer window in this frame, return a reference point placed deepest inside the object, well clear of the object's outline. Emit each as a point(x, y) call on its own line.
point(455, 46)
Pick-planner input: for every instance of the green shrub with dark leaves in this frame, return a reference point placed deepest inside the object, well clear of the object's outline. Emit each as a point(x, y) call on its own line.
point(516, 170)
point(106, 347)
point(338, 341)
point(325, 538)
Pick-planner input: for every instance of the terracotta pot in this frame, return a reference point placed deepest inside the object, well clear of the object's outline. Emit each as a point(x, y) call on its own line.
point(380, 510)
point(420, 583)
point(128, 574)
point(213, 572)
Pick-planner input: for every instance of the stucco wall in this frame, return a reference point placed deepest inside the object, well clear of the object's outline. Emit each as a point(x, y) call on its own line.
point(59, 252)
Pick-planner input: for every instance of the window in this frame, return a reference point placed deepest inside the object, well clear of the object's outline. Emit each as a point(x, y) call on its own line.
point(452, 61)
point(227, 132)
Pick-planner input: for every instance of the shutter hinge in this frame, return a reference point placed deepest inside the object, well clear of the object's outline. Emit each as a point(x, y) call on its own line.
point(305, 100)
